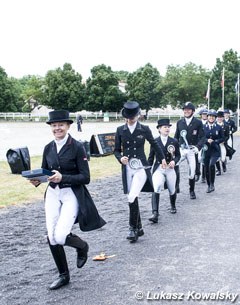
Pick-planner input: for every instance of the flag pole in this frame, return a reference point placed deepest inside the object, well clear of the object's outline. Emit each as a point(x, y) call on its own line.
point(209, 94)
point(238, 104)
point(223, 90)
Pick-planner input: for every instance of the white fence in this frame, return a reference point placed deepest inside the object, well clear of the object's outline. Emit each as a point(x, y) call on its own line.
point(106, 116)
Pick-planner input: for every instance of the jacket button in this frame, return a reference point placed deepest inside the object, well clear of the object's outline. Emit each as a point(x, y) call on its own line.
point(135, 148)
point(134, 156)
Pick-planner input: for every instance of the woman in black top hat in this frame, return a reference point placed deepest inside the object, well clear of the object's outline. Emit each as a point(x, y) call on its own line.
point(164, 177)
point(67, 200)
point(129, 151)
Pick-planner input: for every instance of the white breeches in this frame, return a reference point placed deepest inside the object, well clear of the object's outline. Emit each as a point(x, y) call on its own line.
point(189, 155)
point(160, 176)
point(61, 209)
point(223, 152)
point(136, 179)
point(230, 141)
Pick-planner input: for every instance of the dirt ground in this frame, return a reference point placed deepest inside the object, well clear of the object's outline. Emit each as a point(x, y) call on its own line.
point(178, 261)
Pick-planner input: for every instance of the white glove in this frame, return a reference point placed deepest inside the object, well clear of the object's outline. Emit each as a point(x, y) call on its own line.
point(195, 150)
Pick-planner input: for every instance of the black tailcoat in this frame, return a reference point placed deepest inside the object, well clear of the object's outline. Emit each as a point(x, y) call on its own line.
point(131, 145)
point(169, 157)
point(195, 133)
point(71, 162)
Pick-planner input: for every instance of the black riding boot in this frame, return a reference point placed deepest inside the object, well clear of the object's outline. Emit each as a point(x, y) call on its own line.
point(203, 174)
point(81, 246)
point(59, 257)
point(140, 229)
point(211, 179)
point(173, 203)
point(224, 166)
point(176, 168)
point(155, 207)
point(191, 188)
point(218, 168)
point(133, 220)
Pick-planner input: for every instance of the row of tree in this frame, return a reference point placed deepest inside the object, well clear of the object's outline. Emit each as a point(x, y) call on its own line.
point(64, 88)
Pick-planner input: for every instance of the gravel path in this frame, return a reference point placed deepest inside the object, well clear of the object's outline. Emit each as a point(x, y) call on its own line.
point(193, 252)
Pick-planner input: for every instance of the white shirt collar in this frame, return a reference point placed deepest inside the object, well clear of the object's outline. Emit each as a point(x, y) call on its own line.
point(132, 127)
point(188, 120)
point(61, 143)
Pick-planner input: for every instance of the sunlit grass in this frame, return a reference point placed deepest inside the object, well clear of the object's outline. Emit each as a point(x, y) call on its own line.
point(14, 189)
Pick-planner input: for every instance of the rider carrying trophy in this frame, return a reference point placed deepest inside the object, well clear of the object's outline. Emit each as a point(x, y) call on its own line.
point(164, 177)
point(191, 137)
point(136, 173)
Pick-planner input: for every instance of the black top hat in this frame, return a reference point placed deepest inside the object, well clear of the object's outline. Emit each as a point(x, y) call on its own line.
point(163, 122)
point(130, 110)
point(220, 114)
point(59, 116)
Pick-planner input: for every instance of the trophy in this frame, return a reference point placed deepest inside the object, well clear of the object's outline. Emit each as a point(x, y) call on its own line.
point(171, 150)
point(183, 134)
point(135, 163)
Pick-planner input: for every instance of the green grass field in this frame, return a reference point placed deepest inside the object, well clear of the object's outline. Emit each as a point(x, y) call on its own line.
point(14, 189)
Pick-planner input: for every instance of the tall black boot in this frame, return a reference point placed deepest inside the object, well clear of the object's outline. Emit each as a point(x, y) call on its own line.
point(173, 203)
point(191, 188)
point(212, 177)
point(155, 207)
point(224, 166)
point(203, 174)
point(133, 220)
point(140, 229)
point(81, 246)
point(59, 257)
point(176, 168)
point(218, 168)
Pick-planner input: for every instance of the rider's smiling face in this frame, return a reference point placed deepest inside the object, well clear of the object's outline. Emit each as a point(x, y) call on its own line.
point(187, 112)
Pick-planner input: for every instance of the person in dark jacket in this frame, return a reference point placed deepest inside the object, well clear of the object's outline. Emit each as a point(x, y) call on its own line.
point(67, 200)
point(215, 137)
point(191, 137)
point(136, 175)
point(79, 122)
point(221, 164)
point(232, 126)
point(164, 177)
point(200, 169)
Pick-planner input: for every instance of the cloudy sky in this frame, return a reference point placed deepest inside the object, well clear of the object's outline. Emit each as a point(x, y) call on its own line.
point(39, 35)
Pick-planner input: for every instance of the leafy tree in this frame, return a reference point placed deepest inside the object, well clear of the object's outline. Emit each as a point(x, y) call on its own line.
point(182, 84)
point(64, 89)
point(122, 75)
point(102, 92)
point(231, 63)
point(143, 86)
point(9, 93)
point(32, 87)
